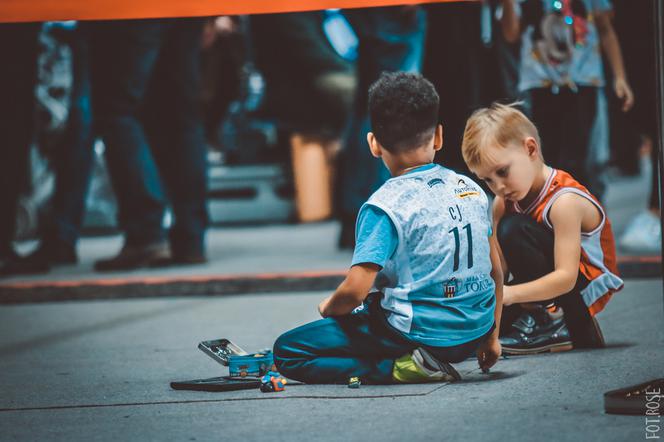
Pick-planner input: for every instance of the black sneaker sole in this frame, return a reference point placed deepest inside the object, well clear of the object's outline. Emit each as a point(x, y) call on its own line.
point(445, 367)
point(549, 348)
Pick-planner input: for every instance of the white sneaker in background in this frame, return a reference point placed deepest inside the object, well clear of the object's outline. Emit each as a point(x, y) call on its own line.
point(643, 234)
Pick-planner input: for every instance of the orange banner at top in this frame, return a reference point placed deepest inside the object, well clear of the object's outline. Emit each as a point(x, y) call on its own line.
point(59, 10)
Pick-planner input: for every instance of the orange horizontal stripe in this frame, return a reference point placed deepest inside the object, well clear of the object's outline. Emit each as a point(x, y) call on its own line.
point(59, 10)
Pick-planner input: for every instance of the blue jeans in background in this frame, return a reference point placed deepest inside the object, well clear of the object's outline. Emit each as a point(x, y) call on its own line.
point(18, 77)
point(73, 157)
point(146, 83)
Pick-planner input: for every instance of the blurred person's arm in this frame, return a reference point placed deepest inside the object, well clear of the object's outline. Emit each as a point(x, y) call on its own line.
point(613, 53)
point(351, 292)
point(510, 21)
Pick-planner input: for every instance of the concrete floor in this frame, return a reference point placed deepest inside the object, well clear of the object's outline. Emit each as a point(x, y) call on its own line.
point(100, 370)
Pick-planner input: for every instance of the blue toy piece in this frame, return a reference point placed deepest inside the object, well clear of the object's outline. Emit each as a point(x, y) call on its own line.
point(272, 382)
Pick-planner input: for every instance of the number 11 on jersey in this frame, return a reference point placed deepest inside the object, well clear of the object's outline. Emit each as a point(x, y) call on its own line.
point(457, 245)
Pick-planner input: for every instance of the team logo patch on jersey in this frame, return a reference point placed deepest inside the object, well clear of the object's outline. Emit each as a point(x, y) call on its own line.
point(450, 287)
point(464, 190)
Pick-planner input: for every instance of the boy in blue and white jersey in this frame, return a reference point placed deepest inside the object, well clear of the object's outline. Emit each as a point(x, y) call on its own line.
point(424, 243)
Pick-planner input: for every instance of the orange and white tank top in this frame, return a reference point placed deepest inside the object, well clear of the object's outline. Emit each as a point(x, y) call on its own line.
point(598, 249)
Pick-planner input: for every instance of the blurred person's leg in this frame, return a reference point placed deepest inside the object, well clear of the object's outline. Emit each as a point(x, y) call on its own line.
point(546, 109)
point(72, 162)
point(643, 234)
point(455, 62)
point(309, 91)
point(391, 39)
point(18, 77)
point(598, 148)
point(638, 49)
point(564, 121)
point(175, 129)
point(124, 56)
point(653, 201)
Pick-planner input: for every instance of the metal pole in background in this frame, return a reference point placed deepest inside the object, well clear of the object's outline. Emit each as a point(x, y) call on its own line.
point(659, 70)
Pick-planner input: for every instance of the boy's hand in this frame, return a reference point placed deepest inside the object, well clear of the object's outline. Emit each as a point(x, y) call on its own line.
point(624, 92)
point(323, 305)
point(488, 352)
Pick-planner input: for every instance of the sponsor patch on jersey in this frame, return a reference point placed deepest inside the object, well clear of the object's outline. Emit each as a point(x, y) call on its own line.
point(435, 182)
point(464, 190)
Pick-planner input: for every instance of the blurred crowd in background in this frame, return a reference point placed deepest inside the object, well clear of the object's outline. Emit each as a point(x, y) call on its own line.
point(160, 127)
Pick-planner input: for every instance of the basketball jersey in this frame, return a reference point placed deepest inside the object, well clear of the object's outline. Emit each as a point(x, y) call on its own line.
point(598, 250)
point(437, 285)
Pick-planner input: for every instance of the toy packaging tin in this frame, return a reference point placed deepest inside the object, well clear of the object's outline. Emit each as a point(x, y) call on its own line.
point(254, 365)
point(221, 350)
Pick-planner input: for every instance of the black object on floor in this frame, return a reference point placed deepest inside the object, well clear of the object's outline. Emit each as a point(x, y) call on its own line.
point(222, 383)
point(646, 399)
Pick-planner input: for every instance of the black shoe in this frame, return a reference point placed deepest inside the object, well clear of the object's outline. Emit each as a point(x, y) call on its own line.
point(7, 259)
point(181, 259)
point(135, 257)
point(537, 331)
point(50, 253)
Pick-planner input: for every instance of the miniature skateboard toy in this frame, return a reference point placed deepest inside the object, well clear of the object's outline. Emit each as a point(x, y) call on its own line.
point(222, 383)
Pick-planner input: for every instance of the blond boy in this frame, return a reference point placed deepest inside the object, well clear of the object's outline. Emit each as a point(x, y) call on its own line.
point(555, 238)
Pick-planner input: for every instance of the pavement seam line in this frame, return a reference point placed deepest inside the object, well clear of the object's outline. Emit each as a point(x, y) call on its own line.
point(203, 401)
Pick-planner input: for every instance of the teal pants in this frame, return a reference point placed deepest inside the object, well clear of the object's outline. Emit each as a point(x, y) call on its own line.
point(361, 344)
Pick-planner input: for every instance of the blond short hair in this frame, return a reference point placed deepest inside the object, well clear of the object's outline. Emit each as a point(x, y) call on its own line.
point(498, 124)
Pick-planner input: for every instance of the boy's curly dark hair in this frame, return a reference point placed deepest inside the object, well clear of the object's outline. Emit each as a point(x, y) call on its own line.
point(403, 108)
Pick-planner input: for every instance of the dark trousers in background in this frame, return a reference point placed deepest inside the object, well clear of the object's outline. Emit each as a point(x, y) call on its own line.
point(391, 39)
point(564, 121)
point(362, 344)
point(465, 72)
point(74, 155)
point(528, 249)
point(18, 77)
point(146, 84)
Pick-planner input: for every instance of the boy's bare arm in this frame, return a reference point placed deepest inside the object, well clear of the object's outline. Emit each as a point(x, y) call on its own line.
point(498, 211)
point(497, 275)
point(566, 216)
point(489, 351)
point(611, 48)
point(351, 292)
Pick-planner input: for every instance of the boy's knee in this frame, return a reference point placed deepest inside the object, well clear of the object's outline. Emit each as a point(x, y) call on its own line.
point(280, 350)
point(278, 347)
